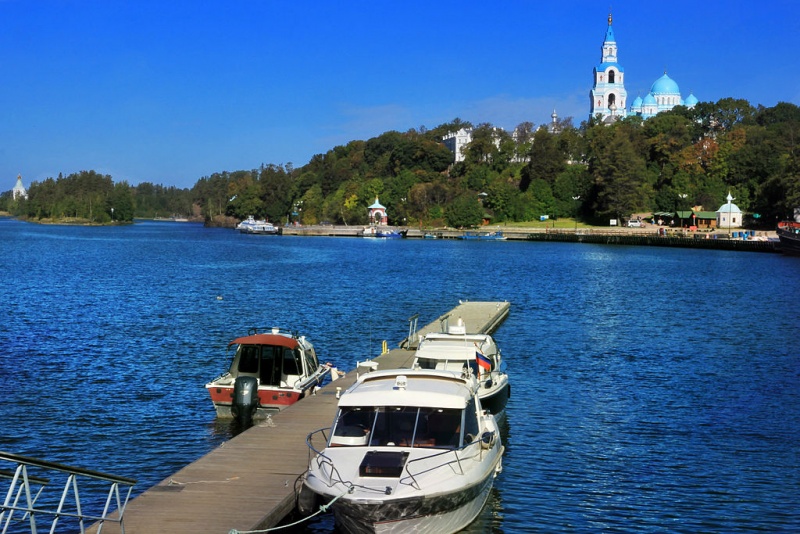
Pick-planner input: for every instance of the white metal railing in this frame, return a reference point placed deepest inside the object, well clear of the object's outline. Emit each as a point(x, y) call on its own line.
point(23, 498)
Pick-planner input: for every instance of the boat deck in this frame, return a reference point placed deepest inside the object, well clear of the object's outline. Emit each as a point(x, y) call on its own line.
point(248, 483)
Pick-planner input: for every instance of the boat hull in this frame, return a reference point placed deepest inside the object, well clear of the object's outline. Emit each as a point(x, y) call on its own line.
point(443, 513)
point(271, 400)
point(789, 236)
point(495, 399)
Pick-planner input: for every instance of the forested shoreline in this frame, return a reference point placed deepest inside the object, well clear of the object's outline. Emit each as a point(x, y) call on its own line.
point(676, 160)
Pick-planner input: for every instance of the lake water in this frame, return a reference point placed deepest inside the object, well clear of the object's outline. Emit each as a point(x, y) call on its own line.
point(654, 390)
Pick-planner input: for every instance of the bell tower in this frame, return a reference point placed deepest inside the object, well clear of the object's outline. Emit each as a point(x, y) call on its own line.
point(608, 97)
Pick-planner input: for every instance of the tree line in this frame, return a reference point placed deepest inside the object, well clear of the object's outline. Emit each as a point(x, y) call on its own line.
point(674, 161)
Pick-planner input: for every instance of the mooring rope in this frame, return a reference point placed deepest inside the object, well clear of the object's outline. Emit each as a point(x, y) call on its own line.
point(322, 509)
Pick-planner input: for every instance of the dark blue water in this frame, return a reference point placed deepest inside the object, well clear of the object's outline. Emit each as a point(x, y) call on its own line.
point(654, 390)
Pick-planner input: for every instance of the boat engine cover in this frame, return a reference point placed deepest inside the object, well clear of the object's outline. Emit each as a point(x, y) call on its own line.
point(245, 398)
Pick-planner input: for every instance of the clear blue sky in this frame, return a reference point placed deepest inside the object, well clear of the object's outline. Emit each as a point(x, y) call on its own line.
point(170, 91)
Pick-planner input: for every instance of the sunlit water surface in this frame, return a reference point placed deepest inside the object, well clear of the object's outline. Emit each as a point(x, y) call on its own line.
point(654, 390)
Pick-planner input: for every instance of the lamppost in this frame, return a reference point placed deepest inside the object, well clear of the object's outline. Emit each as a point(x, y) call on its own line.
point(730, 209)
point(682, 196)
point(577, 204)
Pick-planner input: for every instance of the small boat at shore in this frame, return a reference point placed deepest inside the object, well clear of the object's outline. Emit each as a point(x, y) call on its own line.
point(253, 226)
point(269, 371)
point(409, 451)
point(789, 236)
point(484, 236)
point(389, 234)
point(374, 231)
point(456, 350)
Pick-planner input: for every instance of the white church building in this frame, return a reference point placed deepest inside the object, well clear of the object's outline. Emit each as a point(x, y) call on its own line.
point(609, 97)
point(19, 190)
point(729, 215)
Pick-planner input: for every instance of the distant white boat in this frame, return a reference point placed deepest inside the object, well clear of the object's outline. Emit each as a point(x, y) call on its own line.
point(385, 232)
point(485, 236)
point(253, 226)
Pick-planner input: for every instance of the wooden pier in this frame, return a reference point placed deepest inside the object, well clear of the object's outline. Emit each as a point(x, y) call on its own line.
point(641, 238)
point(248, 483)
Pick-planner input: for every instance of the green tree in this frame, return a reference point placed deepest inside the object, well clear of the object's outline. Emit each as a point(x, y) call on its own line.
point(464, 212)
point(121, 201)
point(618, 172)
point(547, 159)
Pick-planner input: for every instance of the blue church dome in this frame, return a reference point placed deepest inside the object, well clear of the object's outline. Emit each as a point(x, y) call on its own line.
point(649, 99)
point(665, 86)
point(637, 102)
point(690, 101)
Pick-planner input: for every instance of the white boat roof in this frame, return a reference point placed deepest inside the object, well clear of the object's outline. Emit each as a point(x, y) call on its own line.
point(424, 388)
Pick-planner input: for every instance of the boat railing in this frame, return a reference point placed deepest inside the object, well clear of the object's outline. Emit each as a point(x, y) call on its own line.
point(479, 445)
point(413, 335)
point(318, 456)
point(25, 493)
point(273, 330)
point(313, 452)
point(455, 461)
point(314, 379)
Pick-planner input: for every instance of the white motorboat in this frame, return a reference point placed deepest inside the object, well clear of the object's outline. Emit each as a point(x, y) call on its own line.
point(456, 350)
point(409, 451)
point(269, 371)
point(253, 226)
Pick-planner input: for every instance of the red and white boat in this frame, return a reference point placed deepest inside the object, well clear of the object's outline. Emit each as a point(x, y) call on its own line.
point(269, 371)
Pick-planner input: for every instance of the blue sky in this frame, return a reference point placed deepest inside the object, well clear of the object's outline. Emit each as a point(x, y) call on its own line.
point(171, 91)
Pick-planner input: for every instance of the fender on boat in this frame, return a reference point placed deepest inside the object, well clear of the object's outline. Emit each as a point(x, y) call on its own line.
point(306, 501)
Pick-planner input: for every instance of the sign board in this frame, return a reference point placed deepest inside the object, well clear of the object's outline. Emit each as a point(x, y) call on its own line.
point(613, 222)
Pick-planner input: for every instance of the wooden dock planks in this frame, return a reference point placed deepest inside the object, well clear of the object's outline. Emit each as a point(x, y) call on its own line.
point(248, 483)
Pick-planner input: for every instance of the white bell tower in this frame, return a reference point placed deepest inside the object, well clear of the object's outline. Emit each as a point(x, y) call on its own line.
point(608, 95)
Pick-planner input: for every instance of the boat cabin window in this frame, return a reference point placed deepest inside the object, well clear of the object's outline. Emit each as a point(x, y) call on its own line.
point(269, 363)
point(427, 363)
point(353, 427)
point(457, 365)
point(398, 426)
point(291, 362)
point(442, 427)
point(311, 361)
point(471, 425)
point(248, 358)
point(270, 372)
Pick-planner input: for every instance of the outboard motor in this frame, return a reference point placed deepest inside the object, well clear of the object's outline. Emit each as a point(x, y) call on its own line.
point(245, 400)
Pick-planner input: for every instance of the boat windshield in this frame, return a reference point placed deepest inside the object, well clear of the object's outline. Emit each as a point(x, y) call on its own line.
point(457, 364)
point(273, 365)
point(399, 426)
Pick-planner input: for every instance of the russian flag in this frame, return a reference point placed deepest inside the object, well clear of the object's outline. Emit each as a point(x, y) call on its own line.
point(483, 362)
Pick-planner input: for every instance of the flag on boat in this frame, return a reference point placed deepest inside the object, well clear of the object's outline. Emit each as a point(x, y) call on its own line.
point(483, 361)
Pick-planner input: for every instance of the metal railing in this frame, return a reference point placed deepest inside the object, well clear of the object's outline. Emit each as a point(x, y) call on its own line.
point(24, 496)
point(413, 336)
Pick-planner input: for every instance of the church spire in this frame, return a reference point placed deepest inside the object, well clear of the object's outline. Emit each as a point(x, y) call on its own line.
point(609, 35)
